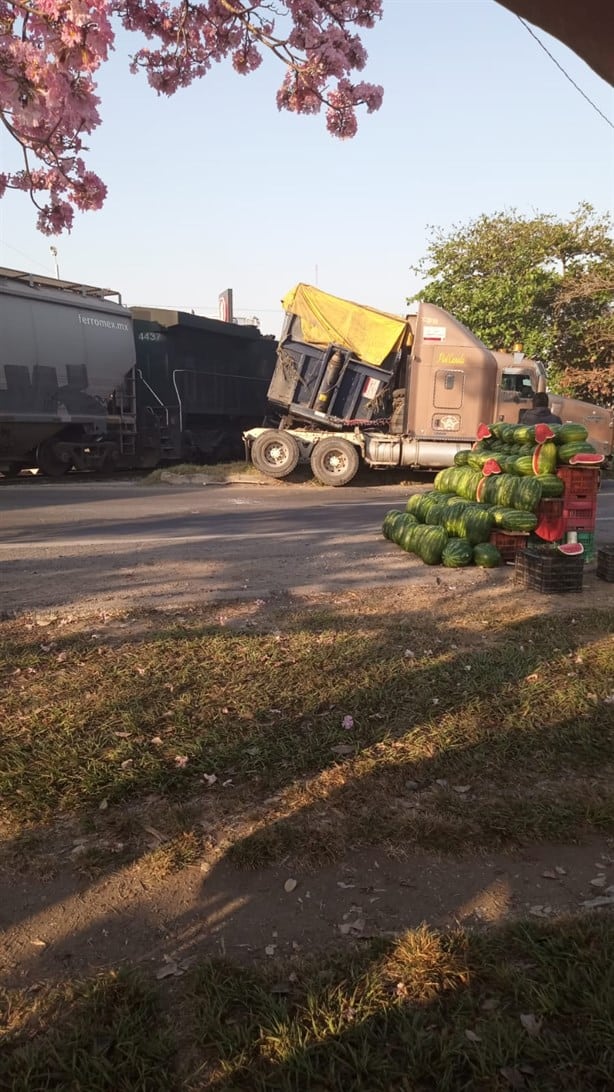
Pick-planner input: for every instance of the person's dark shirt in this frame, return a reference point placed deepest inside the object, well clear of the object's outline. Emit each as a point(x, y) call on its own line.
point(541, 416)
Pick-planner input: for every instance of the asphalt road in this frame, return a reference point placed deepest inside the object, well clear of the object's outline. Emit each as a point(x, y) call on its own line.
point(89, 544)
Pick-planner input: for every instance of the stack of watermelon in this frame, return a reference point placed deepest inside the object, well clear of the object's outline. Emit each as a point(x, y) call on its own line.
point(452, 534)
point(531, 451)
point(497, 485)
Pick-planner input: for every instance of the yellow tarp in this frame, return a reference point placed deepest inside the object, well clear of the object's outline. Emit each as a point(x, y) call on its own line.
point(325, 320)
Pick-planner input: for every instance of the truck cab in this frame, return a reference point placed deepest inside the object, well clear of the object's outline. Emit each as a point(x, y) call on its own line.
point(354, 384)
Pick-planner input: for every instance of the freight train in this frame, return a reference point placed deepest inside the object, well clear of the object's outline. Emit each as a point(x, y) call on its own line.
point(90, 384)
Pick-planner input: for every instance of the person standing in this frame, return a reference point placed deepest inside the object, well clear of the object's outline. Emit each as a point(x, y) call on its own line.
point(541, 414)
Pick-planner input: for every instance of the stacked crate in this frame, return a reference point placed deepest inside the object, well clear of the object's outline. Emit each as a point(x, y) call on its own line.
point(580, 504)
point(508, 543)
point(605, 563)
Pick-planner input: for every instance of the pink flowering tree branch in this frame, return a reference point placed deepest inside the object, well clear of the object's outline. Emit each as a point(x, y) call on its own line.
point(50, 51)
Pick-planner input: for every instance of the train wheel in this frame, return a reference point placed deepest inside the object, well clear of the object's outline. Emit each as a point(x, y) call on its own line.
point(334, 462)
point(14, 470)
point(275, 453)
point(49, 461)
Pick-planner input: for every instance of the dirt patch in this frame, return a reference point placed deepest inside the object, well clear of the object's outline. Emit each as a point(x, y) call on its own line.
point(69, 927)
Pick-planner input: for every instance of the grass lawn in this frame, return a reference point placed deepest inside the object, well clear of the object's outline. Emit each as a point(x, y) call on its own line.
point(313, 730)
point(275, 731)
point(528, 1006)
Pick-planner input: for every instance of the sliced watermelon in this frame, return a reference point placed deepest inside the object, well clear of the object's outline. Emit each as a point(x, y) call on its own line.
point(491, 466)
point(587, 458)
point(484, 432)
point(544, 458)
point(480, 490)
point(543, 432)
point(571, 549)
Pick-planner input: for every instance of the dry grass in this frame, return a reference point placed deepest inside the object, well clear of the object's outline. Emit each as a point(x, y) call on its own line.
point(524, 1006)
point(215, 472)
point(468, 728)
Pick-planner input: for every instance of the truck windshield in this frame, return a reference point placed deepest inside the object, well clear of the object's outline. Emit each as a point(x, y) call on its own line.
point(517, 385)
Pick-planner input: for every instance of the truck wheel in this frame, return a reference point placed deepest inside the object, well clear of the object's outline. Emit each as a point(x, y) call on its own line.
point(275, 453)
point(334, 462)
point(49, 462)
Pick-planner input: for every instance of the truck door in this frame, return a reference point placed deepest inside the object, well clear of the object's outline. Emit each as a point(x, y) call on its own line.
point(448, 395)
point(515, 395)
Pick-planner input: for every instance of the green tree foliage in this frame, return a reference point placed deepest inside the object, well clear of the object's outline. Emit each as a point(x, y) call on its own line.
point(545, 282)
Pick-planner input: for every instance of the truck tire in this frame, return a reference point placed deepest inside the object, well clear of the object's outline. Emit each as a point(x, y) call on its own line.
point(334, 462)
point(275, 453)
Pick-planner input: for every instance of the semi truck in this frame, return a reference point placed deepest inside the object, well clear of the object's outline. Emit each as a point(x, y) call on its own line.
point(86, 382)
point(353, 385)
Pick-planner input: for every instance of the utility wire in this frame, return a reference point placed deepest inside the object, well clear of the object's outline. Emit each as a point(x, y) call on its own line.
point(566, 74)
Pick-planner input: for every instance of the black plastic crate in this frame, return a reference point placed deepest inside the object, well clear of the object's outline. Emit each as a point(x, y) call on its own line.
point(546, 569)
point(605, 563)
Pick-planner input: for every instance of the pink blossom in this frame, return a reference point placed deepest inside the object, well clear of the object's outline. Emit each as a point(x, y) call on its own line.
point(51, 50)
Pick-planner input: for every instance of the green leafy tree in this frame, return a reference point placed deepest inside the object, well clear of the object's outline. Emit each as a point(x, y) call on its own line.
point(545, 282)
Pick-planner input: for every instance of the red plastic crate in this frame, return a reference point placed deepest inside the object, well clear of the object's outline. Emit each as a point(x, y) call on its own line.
point(582, 480)
point(580, 506)
point(580, 521)
point(550, 508)
point(509, 542)
point(580, 500)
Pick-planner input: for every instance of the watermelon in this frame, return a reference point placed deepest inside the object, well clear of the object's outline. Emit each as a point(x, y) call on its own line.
point(476, 459)
point(544, 458)
point(571, 549)
point(429, 502)
point(443, 480)
point(430, 544)
point(567, 452)
point(570, 433)
point(457, 553)
point(490, 467)
point(489, 489)
point(543, 432)
point(484, 432)
point(391, 519)
point(476, 524)
point(407, 533)
point(512, 519)
point(523, 465)
point(415, 505)
point(486, 555)
point(527, 494)
point(462, 480)
point(524, 434)
point(436, 516)
point(453, 520)
point(587, 458)
point(461, 458)
point(551, 485)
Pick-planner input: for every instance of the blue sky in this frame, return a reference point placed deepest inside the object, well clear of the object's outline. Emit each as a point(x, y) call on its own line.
point(214, 188)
